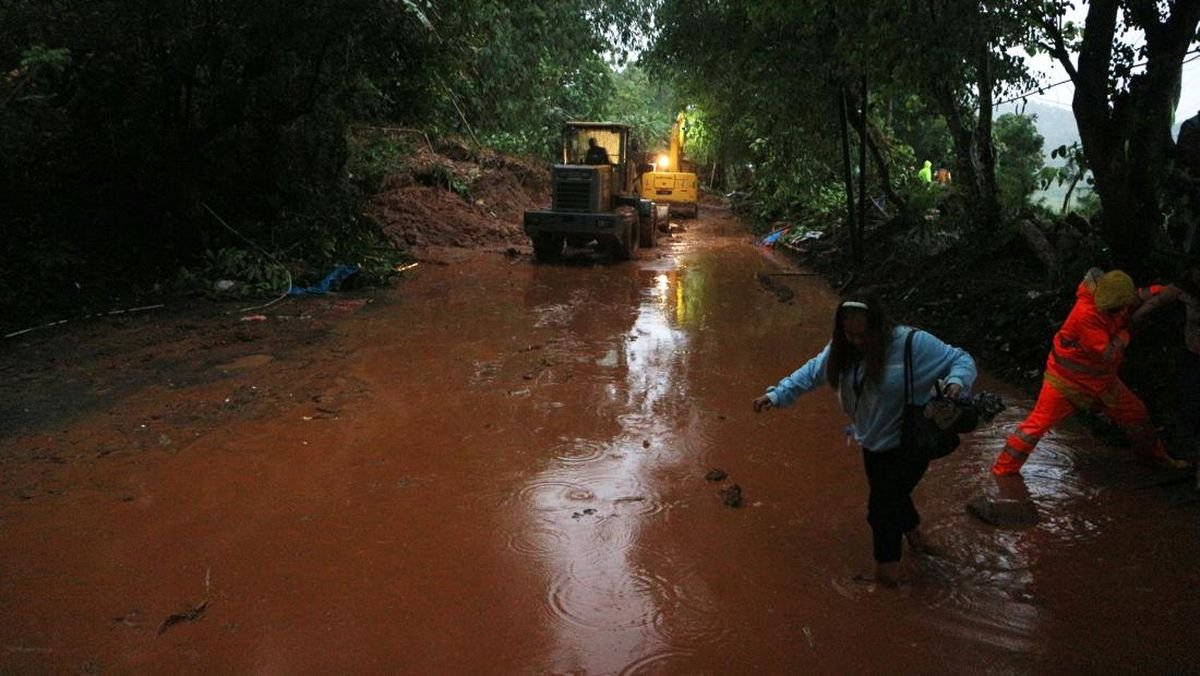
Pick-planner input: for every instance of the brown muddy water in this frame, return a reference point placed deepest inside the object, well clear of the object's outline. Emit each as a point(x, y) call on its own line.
point(512, 480)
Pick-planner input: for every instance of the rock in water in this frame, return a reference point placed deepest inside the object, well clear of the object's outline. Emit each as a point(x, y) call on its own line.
point(732, 495)
point(1019, 513)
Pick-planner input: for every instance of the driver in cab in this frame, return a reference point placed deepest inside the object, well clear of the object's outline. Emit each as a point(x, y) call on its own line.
point(596, 154)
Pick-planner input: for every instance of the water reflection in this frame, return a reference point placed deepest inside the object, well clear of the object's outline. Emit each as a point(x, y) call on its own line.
point(610, 602)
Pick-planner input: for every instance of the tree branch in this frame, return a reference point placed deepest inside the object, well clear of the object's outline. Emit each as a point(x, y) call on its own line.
point(1058, 46)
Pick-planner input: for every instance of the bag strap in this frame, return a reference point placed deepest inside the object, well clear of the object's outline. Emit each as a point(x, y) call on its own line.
point(908, 376)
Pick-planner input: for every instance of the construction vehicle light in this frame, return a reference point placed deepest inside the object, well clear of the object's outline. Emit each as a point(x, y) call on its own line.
point(664, 162)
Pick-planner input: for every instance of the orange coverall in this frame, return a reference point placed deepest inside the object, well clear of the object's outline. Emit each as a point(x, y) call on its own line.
point(1082, 373)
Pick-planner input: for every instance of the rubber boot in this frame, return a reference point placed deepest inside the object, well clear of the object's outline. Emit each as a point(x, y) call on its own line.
point(1009, 462)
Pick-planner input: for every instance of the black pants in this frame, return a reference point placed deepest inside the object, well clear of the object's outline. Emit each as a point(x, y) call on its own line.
point(890, 509)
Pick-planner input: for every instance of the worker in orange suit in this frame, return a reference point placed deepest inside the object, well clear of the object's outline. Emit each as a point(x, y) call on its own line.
point(1082, 373)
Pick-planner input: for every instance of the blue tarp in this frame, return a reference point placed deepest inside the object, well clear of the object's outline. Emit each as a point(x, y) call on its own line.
point(770, 239)
point(335, 277)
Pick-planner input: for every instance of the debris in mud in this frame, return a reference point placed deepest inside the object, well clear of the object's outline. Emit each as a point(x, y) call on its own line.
point(716, 475)
point(193, 613)
point(731, 496)
point(190, 615)
point(587, 512)
point(1018, 513)
point(782, 291)
point(645, 443)
point(128, 619)
point(241, 396)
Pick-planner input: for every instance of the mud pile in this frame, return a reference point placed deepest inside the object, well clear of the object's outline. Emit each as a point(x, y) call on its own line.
point(452, 195)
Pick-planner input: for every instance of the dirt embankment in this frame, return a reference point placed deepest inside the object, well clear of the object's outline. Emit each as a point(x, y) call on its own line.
point(460, 198)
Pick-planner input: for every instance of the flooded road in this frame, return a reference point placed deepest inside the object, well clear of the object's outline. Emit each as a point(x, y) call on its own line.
point(507, 474)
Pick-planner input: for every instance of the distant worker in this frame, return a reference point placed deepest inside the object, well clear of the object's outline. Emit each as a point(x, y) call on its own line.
point(1082, 372)
point(926, 172)
point(596, 154)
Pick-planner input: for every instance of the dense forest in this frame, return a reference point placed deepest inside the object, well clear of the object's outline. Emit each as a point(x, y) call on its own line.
point(151, 147)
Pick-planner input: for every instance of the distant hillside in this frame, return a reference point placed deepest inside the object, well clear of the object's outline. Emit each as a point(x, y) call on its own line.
point(1056, 125)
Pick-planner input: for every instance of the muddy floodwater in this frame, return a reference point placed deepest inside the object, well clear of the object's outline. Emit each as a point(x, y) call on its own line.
point(503, 470)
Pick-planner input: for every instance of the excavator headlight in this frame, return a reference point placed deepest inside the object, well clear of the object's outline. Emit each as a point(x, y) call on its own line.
point(664, 163)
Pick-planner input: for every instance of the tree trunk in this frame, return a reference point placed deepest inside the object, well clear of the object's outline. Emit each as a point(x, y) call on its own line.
point(875, 145)
point(862, 179)
point(984, 153)
point(847, 174)
point(1127, 144)
point(974, 157)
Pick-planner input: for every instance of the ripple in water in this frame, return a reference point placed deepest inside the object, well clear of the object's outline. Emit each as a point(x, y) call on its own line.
point(552, 495)
point(537, 541)
point(694, 619)
point(578, 451)
point(980, 591)
point(608, 599)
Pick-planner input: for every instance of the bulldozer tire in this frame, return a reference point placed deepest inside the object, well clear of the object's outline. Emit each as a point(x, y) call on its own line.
point(628, 219)
point(648, 229)
point(663, 218)
point(547, 248)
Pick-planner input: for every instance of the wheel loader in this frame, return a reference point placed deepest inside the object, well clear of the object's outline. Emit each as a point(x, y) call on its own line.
point(594, 196)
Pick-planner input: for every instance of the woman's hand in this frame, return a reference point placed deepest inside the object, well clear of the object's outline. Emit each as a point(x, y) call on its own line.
point(763, 403)
point(952, 390)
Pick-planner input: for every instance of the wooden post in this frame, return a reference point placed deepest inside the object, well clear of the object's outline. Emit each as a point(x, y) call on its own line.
point(847, 176)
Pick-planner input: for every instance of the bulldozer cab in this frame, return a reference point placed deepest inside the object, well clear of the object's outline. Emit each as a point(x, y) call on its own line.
point(613, 138)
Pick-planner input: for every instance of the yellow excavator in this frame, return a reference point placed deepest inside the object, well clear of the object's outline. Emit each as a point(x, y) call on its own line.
point(673, 181)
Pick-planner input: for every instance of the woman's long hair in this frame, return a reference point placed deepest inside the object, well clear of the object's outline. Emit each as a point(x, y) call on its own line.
point(843, 355)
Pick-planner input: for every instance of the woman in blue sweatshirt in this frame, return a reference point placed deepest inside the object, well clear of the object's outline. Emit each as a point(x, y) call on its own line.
point(864, 364)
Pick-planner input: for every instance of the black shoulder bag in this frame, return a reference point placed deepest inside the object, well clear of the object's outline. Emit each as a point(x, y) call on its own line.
point(922, 438)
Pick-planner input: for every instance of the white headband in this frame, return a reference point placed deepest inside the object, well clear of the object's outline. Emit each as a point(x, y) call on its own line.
point(855, 304)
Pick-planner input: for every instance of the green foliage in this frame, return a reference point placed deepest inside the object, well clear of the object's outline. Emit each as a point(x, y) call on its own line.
point(1073, 171)
point(1019, 160)
point(512, 72)
point(234, 273)
point(374, 154)
point(39, 56)
point(643, 104)
point(118, 120)
point(925, 134)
